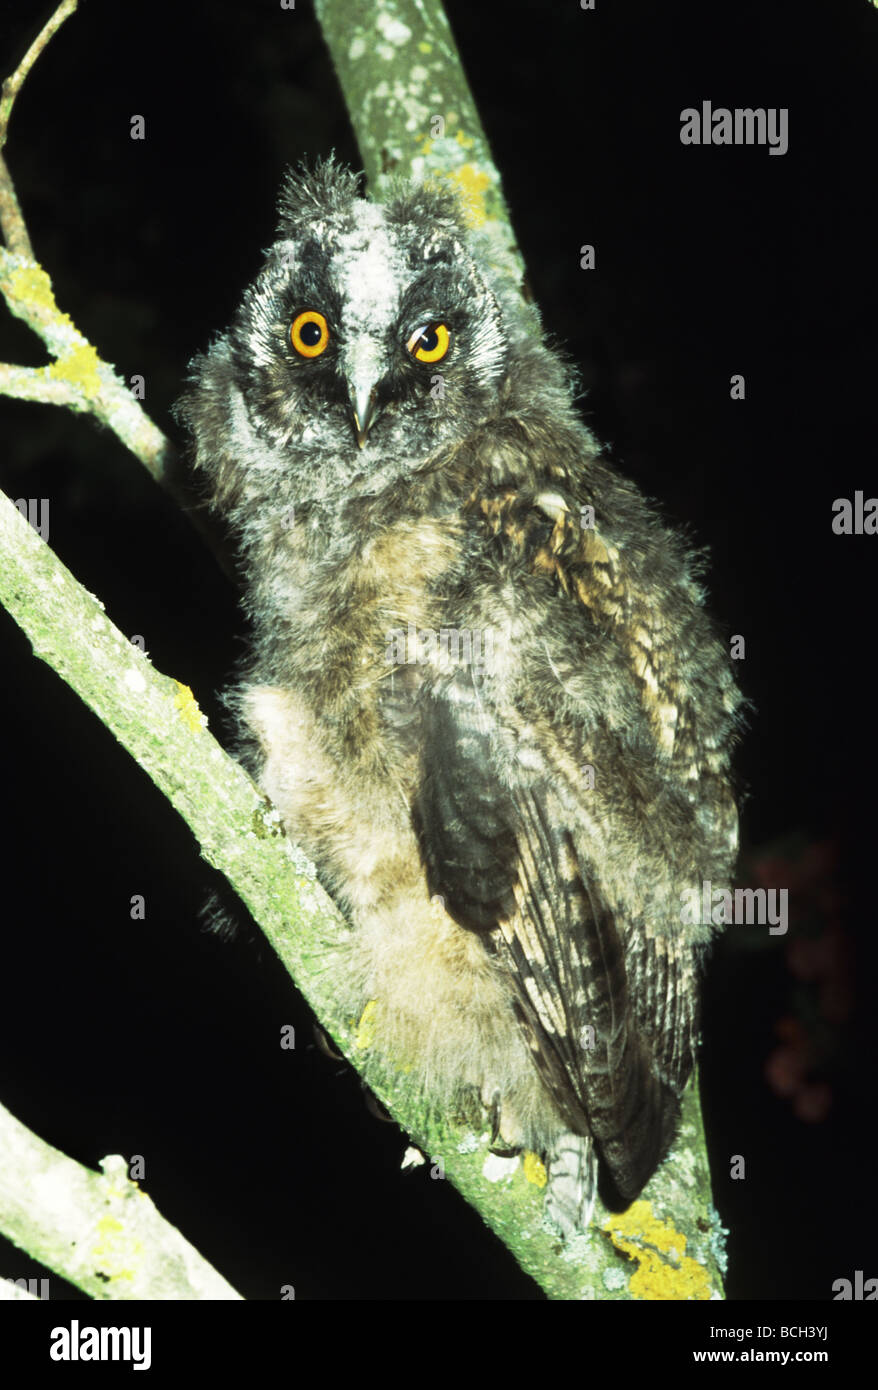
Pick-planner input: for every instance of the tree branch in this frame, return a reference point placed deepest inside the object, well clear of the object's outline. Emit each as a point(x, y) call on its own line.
point(89, 384)
point(97, 1230)
point(12, 86)
point(78, 378)
point(412, 111)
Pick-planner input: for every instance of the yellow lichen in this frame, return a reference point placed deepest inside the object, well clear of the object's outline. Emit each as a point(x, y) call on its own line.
point(79, 366)
point(664, 1271)
point(188, 707)
point(114, 1244)
point(534, 1169)
point(109, 1225)
point(366, 1027)
point(472, 183)
point(32, 285)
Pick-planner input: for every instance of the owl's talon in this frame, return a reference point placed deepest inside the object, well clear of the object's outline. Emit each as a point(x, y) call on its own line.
point(374, 1106)
point(495, 1118)
point(503, 1152)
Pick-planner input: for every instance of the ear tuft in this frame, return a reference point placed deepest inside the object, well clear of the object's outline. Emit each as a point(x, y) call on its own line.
point(325, 189)
point(433, 205)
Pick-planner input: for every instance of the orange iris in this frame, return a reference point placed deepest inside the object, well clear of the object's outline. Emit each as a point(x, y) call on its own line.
point(309, 333)
point(429, 343)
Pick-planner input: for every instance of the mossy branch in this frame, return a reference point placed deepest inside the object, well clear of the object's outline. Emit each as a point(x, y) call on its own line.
point(413, 113)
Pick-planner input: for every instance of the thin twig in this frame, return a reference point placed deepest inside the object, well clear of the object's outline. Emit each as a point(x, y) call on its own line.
point(32, 384)
point(78, 378)
point(91, 384)
point(12, 225)
point(12, 86)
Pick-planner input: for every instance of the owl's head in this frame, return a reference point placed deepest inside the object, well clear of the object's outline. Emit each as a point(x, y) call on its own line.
point(372, 338)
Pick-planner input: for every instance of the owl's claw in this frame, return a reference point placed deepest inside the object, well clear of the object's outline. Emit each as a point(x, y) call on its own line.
point(501, 1151)
point(374, 1106)
point(495, 1118)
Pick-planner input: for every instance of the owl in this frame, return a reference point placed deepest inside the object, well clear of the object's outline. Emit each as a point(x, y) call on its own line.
point(482, 689)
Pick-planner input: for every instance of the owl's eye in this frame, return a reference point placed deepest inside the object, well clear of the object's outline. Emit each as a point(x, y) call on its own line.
point(429, 343)
point(309, 333)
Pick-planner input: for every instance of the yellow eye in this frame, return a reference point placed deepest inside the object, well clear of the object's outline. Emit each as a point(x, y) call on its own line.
point(309, 333)
point(429, 343)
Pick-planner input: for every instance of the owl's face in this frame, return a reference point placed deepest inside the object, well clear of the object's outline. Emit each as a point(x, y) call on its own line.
point(370, 339)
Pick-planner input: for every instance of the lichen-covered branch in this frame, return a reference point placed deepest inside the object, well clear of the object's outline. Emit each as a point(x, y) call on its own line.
point(30, 384)
point(412, 111)
point(77, 378)
point(87, 383)
point(97, 1230)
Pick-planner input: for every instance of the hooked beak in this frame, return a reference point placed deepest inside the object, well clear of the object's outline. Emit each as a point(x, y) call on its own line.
point(364, 399)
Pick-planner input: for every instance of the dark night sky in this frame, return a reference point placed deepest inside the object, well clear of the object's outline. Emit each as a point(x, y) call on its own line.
point(158, 1038)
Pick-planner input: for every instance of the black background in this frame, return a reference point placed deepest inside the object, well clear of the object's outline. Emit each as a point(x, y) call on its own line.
point(158, 1038)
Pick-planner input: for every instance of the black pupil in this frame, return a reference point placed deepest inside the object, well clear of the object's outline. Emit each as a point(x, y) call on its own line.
point(311, 333)
point(429, 340)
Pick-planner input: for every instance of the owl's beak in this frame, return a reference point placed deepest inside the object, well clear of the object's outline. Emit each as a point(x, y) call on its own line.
point(364, 400)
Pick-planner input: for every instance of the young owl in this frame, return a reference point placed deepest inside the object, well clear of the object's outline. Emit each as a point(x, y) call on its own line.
point(485, 695)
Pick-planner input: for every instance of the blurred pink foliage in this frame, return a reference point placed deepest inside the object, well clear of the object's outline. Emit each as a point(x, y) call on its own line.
point(818, 953)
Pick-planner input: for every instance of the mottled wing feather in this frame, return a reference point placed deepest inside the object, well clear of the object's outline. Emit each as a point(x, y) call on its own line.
point(506, 862)
point(465, 824)
point(509, 861)
point(544, 531)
